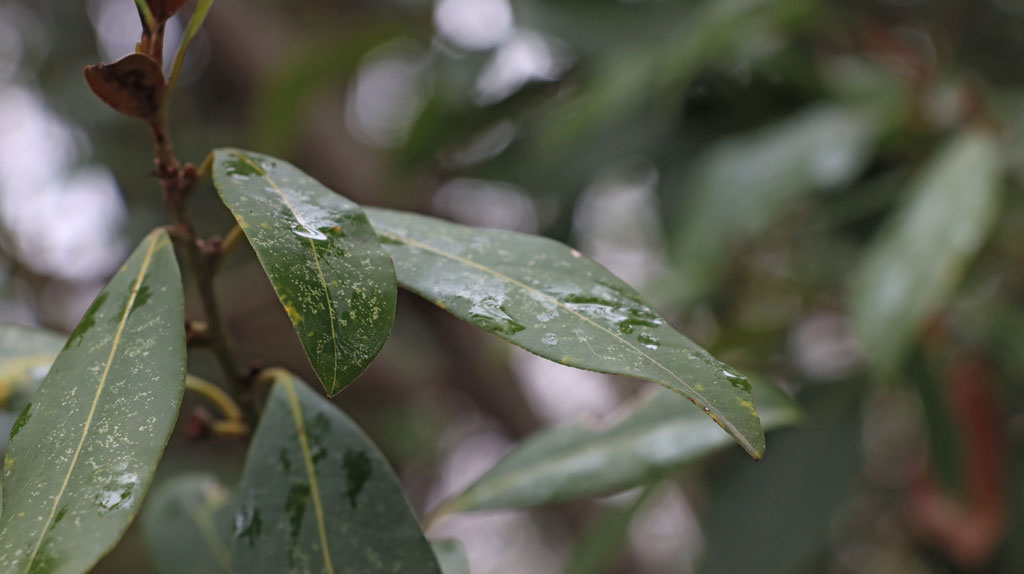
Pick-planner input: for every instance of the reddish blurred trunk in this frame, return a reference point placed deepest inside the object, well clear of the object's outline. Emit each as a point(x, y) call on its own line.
point(967, 529)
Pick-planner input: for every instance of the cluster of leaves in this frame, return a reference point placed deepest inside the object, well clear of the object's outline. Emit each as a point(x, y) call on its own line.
point(316, 494)
point(841, 160)
point(83, 450)
point(813, 159)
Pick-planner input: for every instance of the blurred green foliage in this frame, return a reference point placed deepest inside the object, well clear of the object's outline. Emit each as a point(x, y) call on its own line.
point(759, 167)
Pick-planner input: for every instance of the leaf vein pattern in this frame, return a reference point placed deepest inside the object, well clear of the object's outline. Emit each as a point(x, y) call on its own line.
point(696, 395)
point(316, 257)
point(314, 487)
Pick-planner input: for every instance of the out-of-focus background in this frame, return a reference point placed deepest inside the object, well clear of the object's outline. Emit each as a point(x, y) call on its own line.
point(746, 164)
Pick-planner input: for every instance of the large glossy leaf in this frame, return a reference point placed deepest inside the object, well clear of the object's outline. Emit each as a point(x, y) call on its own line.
point(82, 453)
point(744, 183)
point(651, 437)
point(317, 495)
point(26, 354)
point(187, 525)
point(322, 257)
point(552, 301)
point(913, 267)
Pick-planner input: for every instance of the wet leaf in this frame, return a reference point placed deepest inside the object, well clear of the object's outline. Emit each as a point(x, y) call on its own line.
point(912, 268)
point(657, 434)
point(82, 453)
point(550, 300)
point(187, 525)
point(26, 354)
point(451, 556)
point(322, 257)
point(317, 495)
point(744, 183)
point(133, 85)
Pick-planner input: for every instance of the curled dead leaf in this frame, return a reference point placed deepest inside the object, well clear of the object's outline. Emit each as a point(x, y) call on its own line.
point(133, 85)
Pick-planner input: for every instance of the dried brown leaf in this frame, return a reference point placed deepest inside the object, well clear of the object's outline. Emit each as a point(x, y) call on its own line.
point(133, 85)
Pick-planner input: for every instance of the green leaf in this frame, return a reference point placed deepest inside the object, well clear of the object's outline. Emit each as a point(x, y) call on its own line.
point(187, 525)
point(626, 77)
point(916, 262)
point(451, 556)
point(657, 434)
point(317, 495)
point(322, 257)
point(26, 354)
point(84, 450)
point(744, 183)
point(550, 300)
point(194, 24)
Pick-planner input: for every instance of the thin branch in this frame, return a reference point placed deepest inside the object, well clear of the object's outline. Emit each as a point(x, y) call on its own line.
point(178, 182)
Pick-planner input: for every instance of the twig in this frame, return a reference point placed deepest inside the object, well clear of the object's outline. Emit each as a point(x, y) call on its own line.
point(178, 181)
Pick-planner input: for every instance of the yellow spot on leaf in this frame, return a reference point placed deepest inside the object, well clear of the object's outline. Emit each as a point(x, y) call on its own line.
point(293, 314)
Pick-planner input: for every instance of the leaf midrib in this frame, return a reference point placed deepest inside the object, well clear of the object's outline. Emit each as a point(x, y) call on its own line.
point(307, 457)
point(96, 399)
point(203, 519)
point(316, 259)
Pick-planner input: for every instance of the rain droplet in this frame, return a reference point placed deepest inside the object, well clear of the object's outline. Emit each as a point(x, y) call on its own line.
point(737, 381)
point(648, 341)
point(488, 313)
point(308, 232)
point(117, 494)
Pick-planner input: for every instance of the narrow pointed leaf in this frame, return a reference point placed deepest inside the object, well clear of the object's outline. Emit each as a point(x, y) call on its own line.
point(317, 495)
point(585, 459)
point(915, 264)
point(26, 354)
point(743, 184)
point(84, 450)
point(550, 300)
point(187, 525)
point(322, 257)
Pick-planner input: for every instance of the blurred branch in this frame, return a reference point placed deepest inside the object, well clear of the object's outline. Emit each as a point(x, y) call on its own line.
point(967, 530)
